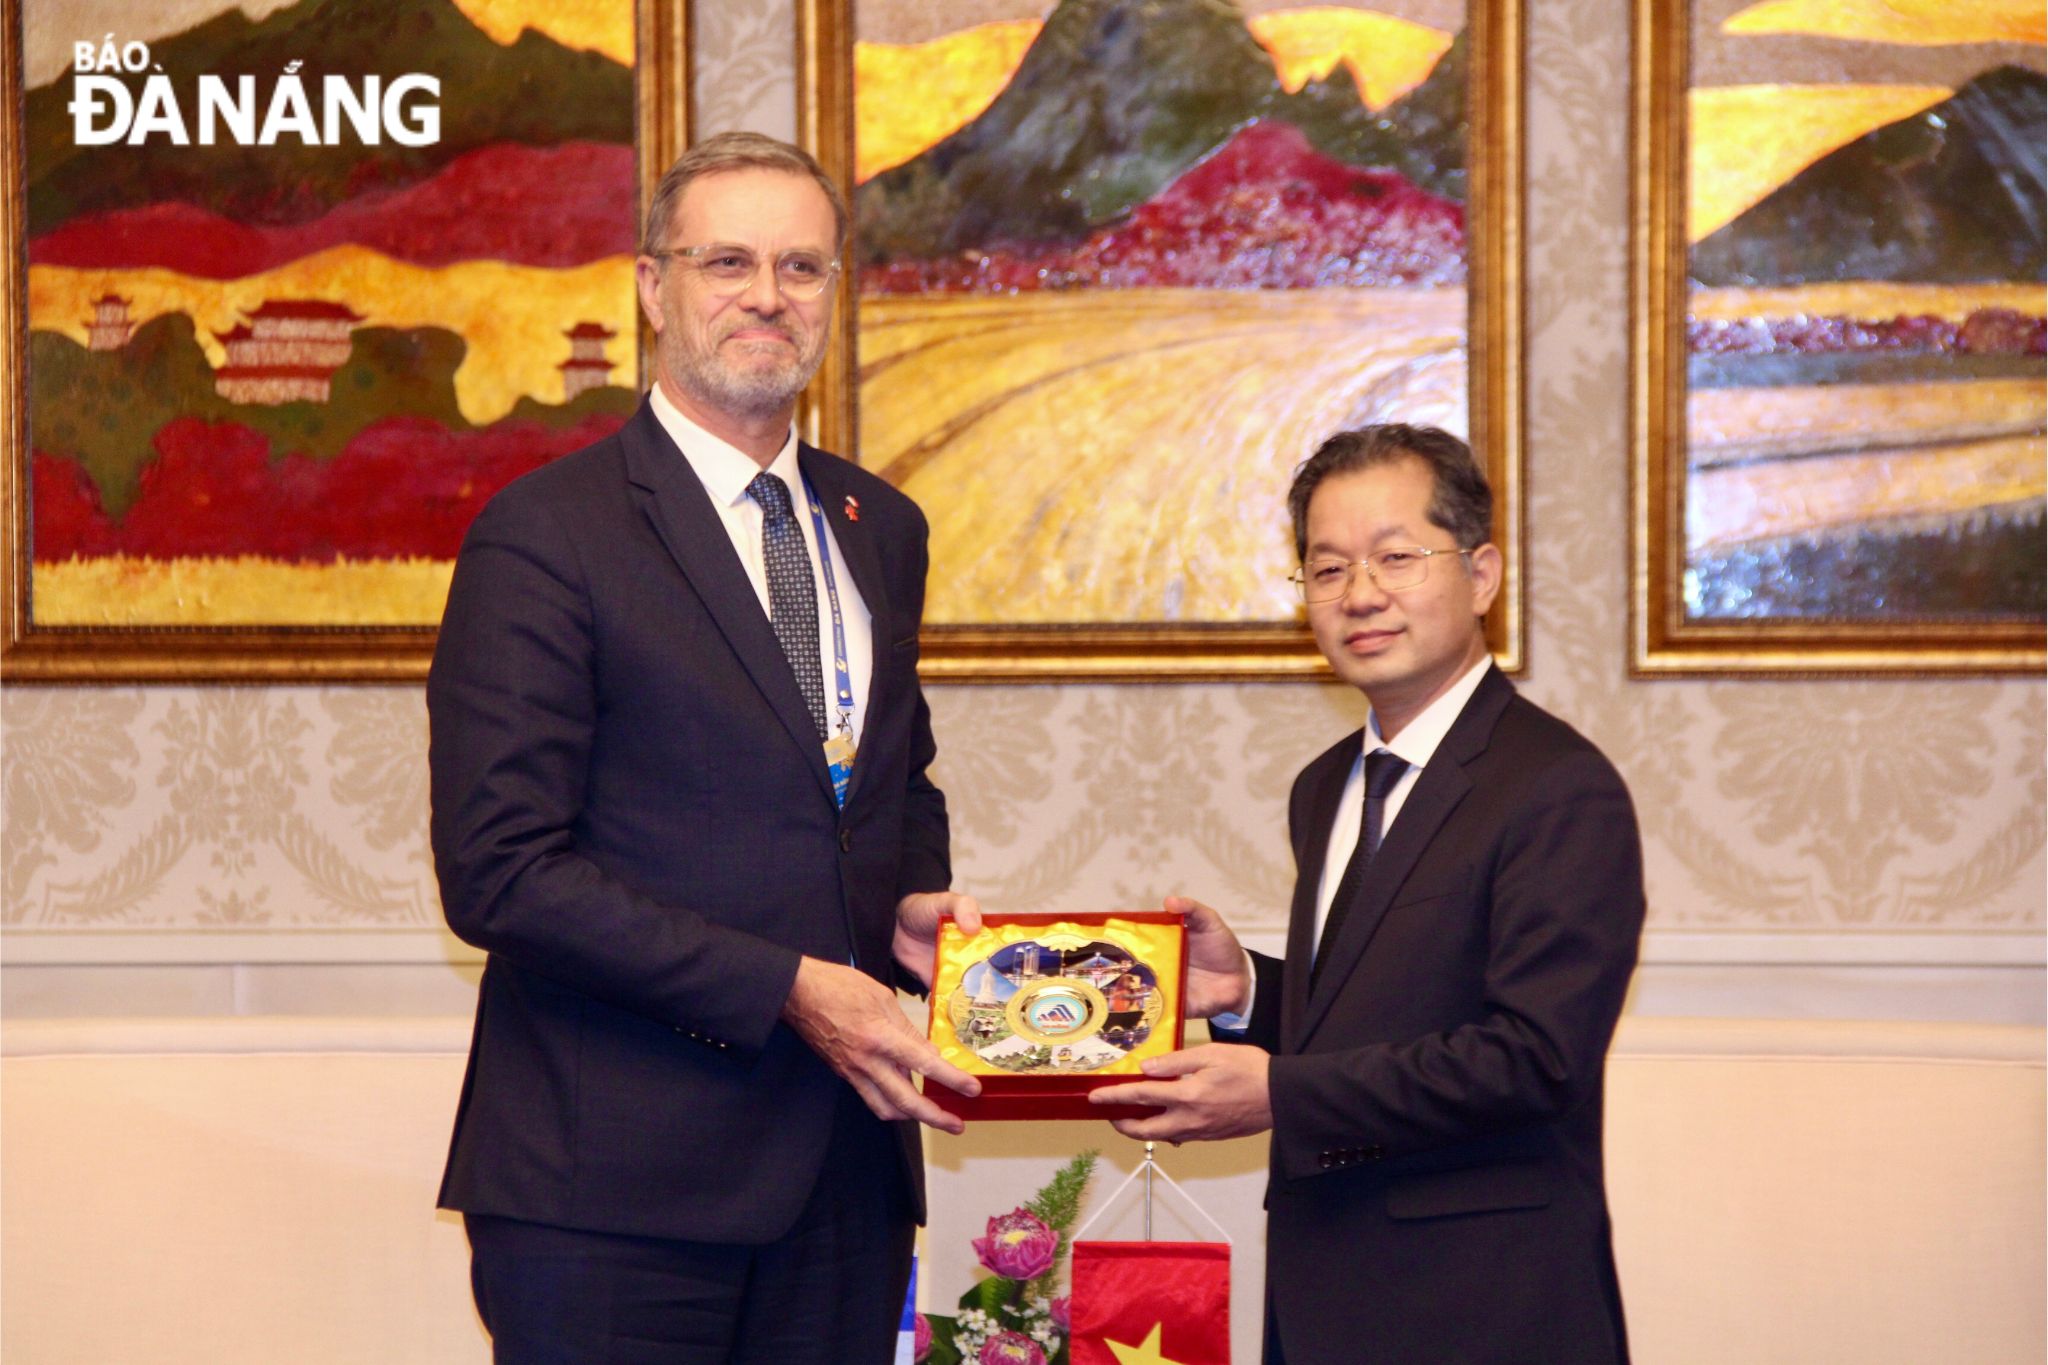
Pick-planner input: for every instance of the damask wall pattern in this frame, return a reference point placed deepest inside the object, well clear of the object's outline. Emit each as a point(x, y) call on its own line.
point(1833, 807)
point(1838, 807)
point(215, 808)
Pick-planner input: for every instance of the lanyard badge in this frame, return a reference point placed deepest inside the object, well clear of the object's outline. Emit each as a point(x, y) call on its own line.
point(839, 762)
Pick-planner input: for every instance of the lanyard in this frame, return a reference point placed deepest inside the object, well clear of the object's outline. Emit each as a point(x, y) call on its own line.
point(842, 676)
point(839, 751)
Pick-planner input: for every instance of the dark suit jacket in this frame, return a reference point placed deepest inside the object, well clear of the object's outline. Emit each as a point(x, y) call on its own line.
point(631, 814)
point(1436, 1188)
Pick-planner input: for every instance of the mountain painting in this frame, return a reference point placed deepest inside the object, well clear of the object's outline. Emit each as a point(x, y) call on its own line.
point(1122, 264)
point(345, 269)
point(1865, 298)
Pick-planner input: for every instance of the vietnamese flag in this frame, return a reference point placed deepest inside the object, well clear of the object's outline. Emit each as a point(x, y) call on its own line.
point(1151, 1303)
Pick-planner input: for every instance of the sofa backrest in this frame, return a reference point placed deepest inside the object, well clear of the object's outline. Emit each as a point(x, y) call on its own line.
point(261, 1190)
point(231, 1190)
point(1818, 1191)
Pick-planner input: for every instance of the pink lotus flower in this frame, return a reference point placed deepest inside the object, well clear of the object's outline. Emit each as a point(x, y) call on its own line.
point(1011, 1348)
point(1062, 1311)
point(921, 1338)
point(1018, 1247)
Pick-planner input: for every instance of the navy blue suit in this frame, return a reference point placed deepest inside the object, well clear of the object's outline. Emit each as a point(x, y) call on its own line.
point(632, 816)
point(1436, 1188)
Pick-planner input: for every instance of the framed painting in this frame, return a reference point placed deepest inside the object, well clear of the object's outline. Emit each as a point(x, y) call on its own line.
point(1838, 401)
point(1120, 265)
point(296, 286)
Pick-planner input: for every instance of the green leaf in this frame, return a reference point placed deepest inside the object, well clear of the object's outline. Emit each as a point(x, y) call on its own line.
point(1058, 1204)
point(943, 1351)
point(989, 1294)
point(1060, 1201)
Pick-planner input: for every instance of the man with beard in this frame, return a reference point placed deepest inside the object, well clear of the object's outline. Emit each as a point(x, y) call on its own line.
point(680, 796)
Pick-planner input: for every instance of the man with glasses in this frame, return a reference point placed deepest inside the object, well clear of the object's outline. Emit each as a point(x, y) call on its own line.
point(1429, 1054)
point(680, 796)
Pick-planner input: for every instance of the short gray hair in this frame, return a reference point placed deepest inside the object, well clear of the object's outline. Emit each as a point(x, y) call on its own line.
point(736, 152)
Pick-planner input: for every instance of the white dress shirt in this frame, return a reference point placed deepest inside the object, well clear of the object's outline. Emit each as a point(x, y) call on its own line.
point(1417, 743)
point(725, 471)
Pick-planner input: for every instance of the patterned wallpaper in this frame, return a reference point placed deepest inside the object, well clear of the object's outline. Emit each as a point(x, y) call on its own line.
point(1831, 807)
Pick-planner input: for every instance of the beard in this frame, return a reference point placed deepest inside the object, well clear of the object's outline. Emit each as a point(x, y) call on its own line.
point(707, 374)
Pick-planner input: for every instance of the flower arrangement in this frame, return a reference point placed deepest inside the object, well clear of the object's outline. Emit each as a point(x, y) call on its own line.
point(1011, 1316)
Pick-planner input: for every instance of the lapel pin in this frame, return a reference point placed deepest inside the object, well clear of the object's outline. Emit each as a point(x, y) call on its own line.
point(852, 508)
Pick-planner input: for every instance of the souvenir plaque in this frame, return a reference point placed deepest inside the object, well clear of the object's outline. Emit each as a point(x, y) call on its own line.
point(1045, 1008)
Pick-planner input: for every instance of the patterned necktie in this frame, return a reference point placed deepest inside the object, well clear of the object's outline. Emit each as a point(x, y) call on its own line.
point(1382, 771)
point(792, 591)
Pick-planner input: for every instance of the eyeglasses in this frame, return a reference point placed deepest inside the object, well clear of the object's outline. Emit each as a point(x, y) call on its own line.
point(1404, 566)
point(729, 270)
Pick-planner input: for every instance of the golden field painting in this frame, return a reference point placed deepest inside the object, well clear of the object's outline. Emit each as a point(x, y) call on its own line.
point(1865, 376)
point(1122, 264)
point(1111, 456)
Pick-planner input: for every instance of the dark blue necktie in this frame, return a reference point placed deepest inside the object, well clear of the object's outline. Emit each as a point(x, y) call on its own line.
point(792, 591)
point(1382, 771)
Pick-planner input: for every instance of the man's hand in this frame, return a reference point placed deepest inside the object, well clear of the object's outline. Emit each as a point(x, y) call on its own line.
point(1207, 1093)
point(1219, 978)
point(917, 928)
point(854, 1023)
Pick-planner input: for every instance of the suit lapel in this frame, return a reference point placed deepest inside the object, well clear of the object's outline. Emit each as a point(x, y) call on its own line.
point(690, 527)
point(1325, 789)
point(1437, 792)
point(856, 558)
point(827, 474)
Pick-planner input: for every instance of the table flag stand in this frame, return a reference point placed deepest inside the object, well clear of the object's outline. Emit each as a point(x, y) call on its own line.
point(1150, 1168)
point(1150, 1300)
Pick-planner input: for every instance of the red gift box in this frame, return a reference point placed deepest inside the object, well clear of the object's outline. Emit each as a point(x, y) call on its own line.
point(1044, 1008)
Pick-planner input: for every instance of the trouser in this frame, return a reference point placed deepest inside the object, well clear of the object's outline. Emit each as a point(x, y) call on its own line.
point(830, 1290)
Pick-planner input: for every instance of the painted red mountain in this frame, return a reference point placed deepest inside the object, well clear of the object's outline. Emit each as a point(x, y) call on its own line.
point(1263, 211)
point(403, 487)
point(555, 207)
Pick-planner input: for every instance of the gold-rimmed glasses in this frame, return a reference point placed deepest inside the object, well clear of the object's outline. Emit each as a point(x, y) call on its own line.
point(729, 270)
point(1325, 579)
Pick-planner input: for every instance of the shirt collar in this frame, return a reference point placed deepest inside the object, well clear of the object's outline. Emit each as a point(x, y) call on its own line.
point(1419, 738)
point(724, 469)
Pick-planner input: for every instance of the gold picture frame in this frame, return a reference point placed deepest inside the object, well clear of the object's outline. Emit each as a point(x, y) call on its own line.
point(1155, 649)
point(1666, 639)
point(34, 651)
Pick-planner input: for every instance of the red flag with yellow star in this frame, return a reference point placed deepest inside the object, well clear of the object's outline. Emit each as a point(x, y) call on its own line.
point(1151, 1303)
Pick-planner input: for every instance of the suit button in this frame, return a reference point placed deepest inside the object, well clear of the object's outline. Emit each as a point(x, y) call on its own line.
point(1328, 1159)
point(1374, 1152)
point(846, 841)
